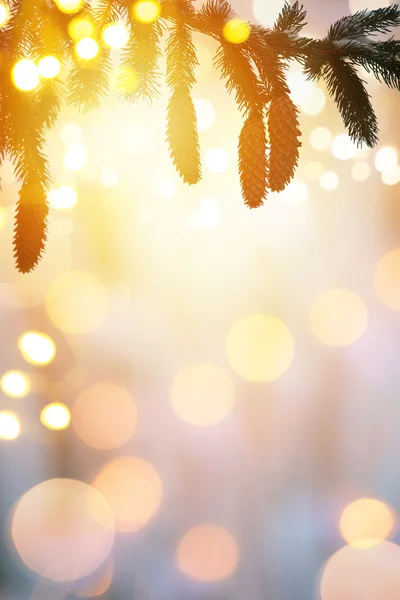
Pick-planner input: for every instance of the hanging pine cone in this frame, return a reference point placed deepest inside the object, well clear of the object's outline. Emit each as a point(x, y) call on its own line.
point(182, 135)
point(253, 163)
point(30, 226)
point(284, 133)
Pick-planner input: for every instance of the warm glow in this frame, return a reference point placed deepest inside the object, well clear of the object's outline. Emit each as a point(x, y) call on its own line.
point(15, 384)
point(361, 171)
point(343, 147)
point(386, 159)
point(9, 425)
point(356, 5)
point(266, 11)
point(75, 157)
point(25, 75)
point(71, 134)
point(387, 279)
point(70, 6)
point(362, 573)
point(202, 394)
point(4, 14)
point(391, 177)
point(207, 553)
point(62, 529)
point(294, 193)
point(313, 170)
point(205, 113)
point(329, 181)
point(77, 302)
point(115, 35)
point(301, 88)
point(87, 48)
point(126, 80)
point(98, 583)
point(366, 522)
point(146, 11)
point(63, 198)
point(37, 348)
point(338, 317)
point(104, 416)
point(217, 160)
point(236, 31)
point(55, 416)
point(260, 348)
point(133, 489)
point(49, 67)
point(109, 177)
point(79, 28)
point(321, 138)
point(315, 104)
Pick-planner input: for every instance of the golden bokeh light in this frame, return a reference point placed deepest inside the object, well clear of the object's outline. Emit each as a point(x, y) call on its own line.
point(10, 427)
point(217, 160)
point(202, 394)
point(207, 553)
point(343, 147)
point(313, 170)
point(62, 529)
point(236, 31)
point(77, 302)
point(133, 489)
point(386, 159)
point(205, 113)
point(338, 317)
point(146, 11)
point(25, 75)
point(55, 416)
point(99, 583)
point(104, 416)
point(391, 177)
point(362, 573)
point(37, 348)
point(315, 104)
point(75, 157)
point(126, 80)
point(49, 67)
point(361, 171)
point(4, 14)
point(329, 181)
point(387, 279)
point(62, 198)
point(301, 88)
point(366, 522)
point(321, 138)
point(70, 6)
point(79, 28)
point(260, 348)
point(115, 35)
point(15, 384)
point(87, 48)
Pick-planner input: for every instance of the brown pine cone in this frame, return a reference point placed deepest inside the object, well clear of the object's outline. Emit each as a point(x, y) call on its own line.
point(30, 226)
point(253, 162)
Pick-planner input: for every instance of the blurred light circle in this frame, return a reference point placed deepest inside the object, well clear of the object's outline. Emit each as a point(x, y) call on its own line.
point(77, 302)
point(62, 198)
point(386, 159)
point(37, 348)
point(343, 147)
point(260, 348)
point(104, 416)
point(25, 75)
point(133, 489)
point(366, 522)
point(236, 31)
point(55, 416)
point(87, 48)
point(146, 11)
point(115, 35)
point(329, 181)
point(217, 160)
point(109, 177)
point(15, 384)
point(356, 5)
point(391, 177)
point(313, 170)
point(62, 529)
point(361, 171)
point(315, 104)
point(4, 14)
point(202, 394)
point(321, 138)
point(338, 317)
point(75, 157)
point(207, 553)
point(98, 583)
point(266, 12)
point(70, 6)
point(49, 67)
point(9, 425)
point(387, 279)
point(205, 113)
point(295, 193)
point(71, 133)
point(79, 28)
point(362, 574)
point(301, 88)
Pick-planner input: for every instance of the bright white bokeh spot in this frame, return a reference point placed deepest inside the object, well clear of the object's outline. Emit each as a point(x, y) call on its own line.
point(386, 159)
point(315, 104)
point(116, 35)
point(15, 384)
point(62, 198)
point(25, 75)
point(321, 138)
point(301, 89)
point(9, 425)
point(205, 113)
point(109, 177)
point(75, 157)
point(391, 177)
point(266, 11)
point(361, 171)
point(343, 147)
point(329, 181)
point(217, 160)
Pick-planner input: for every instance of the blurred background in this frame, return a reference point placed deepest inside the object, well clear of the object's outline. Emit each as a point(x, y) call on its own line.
point(198, 400)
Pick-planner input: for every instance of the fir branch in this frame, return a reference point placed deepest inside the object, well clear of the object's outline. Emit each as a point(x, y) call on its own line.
point(291, 19)
point(366, 22)
point(253, 163)
point(88, 83)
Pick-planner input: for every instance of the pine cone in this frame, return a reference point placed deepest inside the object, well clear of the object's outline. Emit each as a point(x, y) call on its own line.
point(253, 164)
point(30, 226)
point(182, 135)
point(284, 133)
